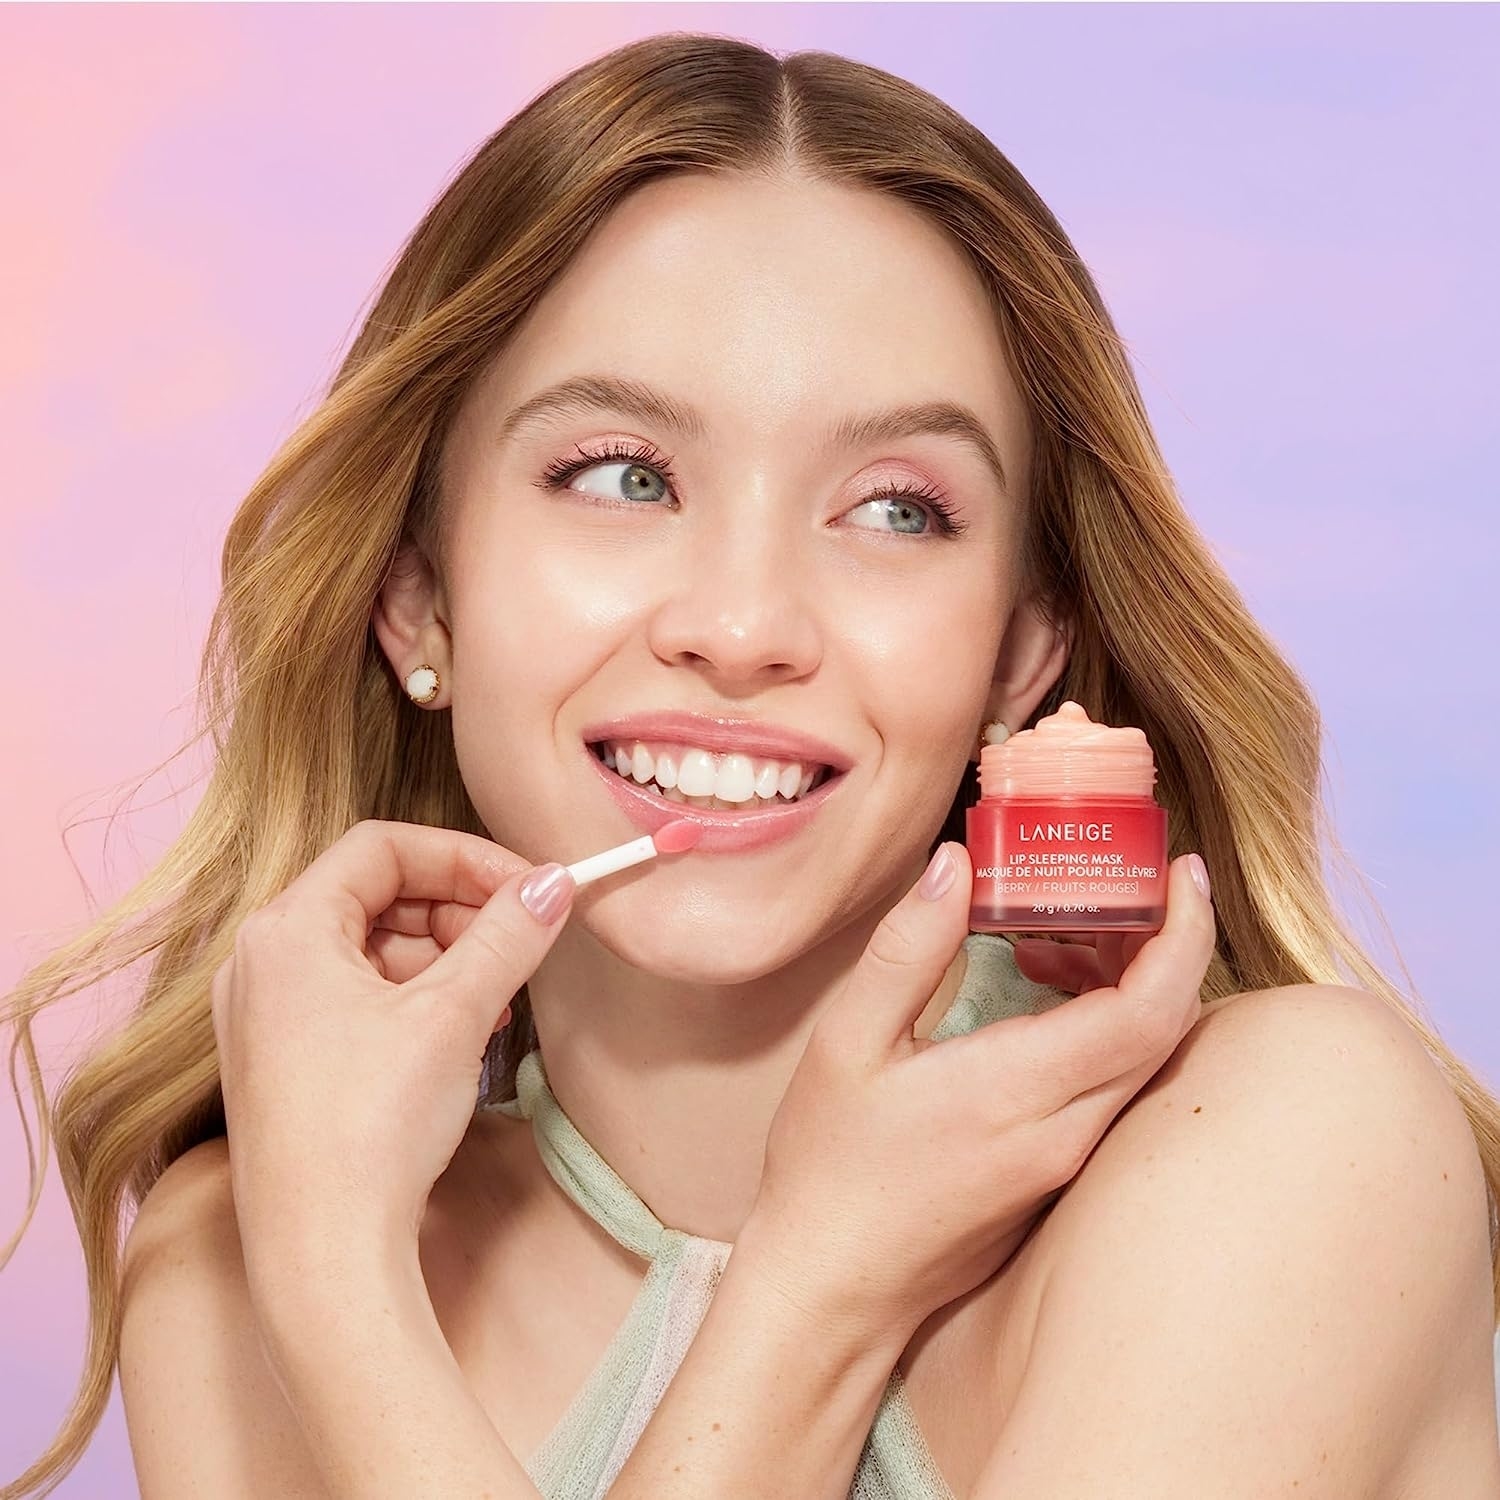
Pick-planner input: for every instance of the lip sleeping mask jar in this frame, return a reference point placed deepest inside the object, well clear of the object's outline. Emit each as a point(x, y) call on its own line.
point(1066, 835)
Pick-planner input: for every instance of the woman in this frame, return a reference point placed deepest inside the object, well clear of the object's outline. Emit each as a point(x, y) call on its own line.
point(584, 461)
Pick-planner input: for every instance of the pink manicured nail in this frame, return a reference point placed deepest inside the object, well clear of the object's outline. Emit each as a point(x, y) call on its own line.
point(546, 892)
point(939, 875)
point(1199, 871)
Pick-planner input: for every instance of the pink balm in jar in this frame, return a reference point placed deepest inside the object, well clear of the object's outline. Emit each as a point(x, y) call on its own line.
point(1067, 835)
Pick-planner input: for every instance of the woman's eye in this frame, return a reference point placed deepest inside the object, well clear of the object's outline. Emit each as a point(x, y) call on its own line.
point(629, 481)
point(913, 513)
point(632, 475)
point(628, 477)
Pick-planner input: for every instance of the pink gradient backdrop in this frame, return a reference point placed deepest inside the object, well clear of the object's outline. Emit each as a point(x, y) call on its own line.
point(1289, 209)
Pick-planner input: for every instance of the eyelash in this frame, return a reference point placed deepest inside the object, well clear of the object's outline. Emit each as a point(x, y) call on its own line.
point(557, 474)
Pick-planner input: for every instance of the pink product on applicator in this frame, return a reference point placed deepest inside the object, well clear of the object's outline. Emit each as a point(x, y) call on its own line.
point(676, 837)
point(1067, 835)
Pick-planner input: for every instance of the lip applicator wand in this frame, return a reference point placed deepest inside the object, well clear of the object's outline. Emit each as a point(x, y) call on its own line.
point(675, 837)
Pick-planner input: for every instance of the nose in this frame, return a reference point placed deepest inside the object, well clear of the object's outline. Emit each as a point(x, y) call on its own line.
point(741, 605)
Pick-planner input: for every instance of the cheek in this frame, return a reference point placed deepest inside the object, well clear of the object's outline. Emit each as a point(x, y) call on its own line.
point(538, 619)
point(926, 669)
point(538, 612)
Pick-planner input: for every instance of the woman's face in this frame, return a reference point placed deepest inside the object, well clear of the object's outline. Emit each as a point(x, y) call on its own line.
point(738, 568)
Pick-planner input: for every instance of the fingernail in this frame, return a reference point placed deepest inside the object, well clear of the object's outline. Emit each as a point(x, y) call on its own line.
point(939, 875)
point(1199, 871)
point(546, 892)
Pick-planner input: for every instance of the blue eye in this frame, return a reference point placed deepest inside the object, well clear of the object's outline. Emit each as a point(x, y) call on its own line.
point(640, 461)
point(898, 500)
point(643, 461)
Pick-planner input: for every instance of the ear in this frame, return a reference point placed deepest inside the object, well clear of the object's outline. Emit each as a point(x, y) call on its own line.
point(1033, 653)
point(410, 619)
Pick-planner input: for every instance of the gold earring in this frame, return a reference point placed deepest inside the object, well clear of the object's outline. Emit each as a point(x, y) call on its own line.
point(422, 684)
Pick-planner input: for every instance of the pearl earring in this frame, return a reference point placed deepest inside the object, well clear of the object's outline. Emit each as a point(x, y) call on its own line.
point(422, 684)
point(994, 733)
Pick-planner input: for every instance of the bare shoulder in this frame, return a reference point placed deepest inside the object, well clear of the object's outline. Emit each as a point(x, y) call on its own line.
point(1280, 1058)
point(203, 1411)
point(186, 1218)
point(1325, 1078)
point(1274, 1266)
point(1234, 1051)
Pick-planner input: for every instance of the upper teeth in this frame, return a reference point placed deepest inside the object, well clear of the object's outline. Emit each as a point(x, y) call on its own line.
point(691, 772)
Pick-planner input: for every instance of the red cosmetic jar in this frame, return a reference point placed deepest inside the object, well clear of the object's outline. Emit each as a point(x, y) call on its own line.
point(1067, 835)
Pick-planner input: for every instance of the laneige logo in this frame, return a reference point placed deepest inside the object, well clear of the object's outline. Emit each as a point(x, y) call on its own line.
point(1054, 832)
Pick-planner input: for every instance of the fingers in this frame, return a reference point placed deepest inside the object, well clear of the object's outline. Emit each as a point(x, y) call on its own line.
point(442, 920)
point(398, 957)
point(1117, 1029)
point(1114, 1030)
point(414, 918)
point(1063, 966)
point(905, 961)
point(1110, 949)
point(431, 907)
point(500, 947)
point(378, 862)
point(1082, 962)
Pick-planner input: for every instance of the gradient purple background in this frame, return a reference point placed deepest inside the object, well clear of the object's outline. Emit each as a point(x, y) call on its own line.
point(1291, 212)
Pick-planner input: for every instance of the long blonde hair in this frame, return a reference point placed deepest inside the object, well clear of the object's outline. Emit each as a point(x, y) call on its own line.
point(312, 731)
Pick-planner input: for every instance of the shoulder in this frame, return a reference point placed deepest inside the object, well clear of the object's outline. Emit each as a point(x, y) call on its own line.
point(1296, 1070)
point(203, 1410)
point(1272, 1248)
point(188, 1216)
point(1319, 1104)
point(1301, 1075)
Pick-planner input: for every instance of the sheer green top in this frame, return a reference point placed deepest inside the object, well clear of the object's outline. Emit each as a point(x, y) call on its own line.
point(582, 1455)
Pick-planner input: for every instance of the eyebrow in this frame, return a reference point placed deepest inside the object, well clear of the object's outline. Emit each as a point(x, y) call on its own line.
point(581, 393)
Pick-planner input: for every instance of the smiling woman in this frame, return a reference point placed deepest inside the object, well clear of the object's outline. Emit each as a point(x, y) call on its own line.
point(739, 439)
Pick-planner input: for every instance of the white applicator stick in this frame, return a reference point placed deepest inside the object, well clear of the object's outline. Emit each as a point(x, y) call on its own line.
point(670, 838)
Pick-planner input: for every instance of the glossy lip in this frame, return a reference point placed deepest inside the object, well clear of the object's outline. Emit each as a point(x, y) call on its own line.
point(723, 832)
point(728, 736)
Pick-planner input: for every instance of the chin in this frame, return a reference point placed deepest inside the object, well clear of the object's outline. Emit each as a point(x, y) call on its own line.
point(696, 942)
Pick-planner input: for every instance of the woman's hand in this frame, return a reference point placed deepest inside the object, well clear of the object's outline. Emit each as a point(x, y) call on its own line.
point(1079, 961)
point(352, 1020)
point(902, 1172)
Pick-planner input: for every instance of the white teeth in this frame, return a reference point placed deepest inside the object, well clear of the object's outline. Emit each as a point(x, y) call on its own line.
point(696, 772)
point(736, 781)
point(693, 775)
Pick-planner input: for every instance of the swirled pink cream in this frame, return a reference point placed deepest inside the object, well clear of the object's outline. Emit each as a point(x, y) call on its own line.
point(1068, 753)
point(1066, 835)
